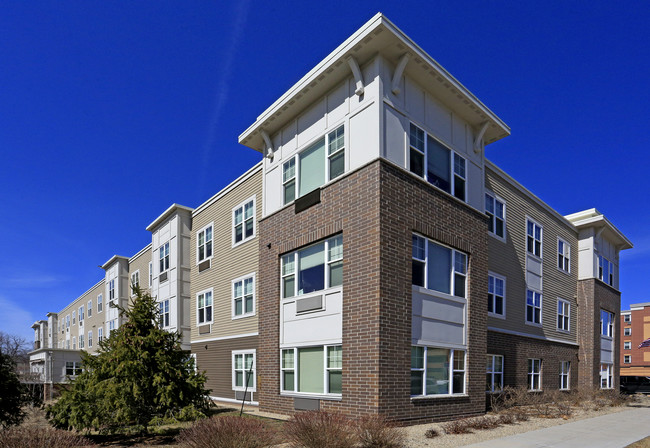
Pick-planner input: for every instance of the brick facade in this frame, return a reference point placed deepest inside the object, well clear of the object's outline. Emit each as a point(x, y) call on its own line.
point(639, 326)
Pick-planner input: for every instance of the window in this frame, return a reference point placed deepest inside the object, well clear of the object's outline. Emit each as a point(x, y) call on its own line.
point(534, 374)
point(312, 167)
point(627, 345)
point(627, 331)
point(627, 318)
point(74, 317)
point(67, 323)
point(135, 281)
point(111, 290)
point(243, 296)
point(243, 222)
point(534, 238)
point(533, 307)
point(437, 371)
point(204, 307)
point(150, 274)
point(73, 368)
point(438, 267)
point(494, 373)
point(565, 375)
point(495, 208)
point(163, 318)
point(204, 244)
point(81, 341)
point(100, 305)
point(100, 334)
point(313, 268)
point(605, 270)
point(443, 167)
point(74, 342)
point(606, 323)
point(243, 376)
point(563, 255)
point(496, 295)
point(606, 378)
point(81, 315)
point(90, 338)
point(67, 344)
point(90, 308)
point(627, 359)
point(163, 256)
point(315, 370)
point(563, 315)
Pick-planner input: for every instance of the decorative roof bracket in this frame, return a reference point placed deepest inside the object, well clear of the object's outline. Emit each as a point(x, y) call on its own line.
point(479, 137)
point(399, 70)
point(354, 66)
point(268, 145)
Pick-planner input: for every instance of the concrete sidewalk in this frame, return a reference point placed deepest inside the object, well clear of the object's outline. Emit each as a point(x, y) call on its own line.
point(611, 430)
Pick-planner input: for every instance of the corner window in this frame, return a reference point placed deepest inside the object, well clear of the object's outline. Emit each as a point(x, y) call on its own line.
point(313, 268)
point(436, 163)
point(204, 244)
point(605, 270)
point(563, 315)
point(100, 304)
point(135, 281)
point(533, 307)
point(495, 208)
point(243, 377)
point(313, 370)
point(313, 166)
point(565, 375)
point(438, 267)
point(90, 308)
point(606, 376)
point(163, 313)
point(606, 323)
point(563, 256)
point(627, 331)
point(534, 238)
point(204, 307)
point(243, 222)
point(627, 359)
point(627, 345)
point(496, 295)
point(534, 374)
point(163, 257)
point(243, 296)
point(494, 373)
point(437, 371)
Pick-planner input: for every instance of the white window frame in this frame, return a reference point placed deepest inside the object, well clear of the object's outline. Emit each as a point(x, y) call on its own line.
point(627, 318)
point(100, 334)
point(534, 307)
point(89, 308)
point(111, 290)
point(242, 280)
point(243, 353)
point(206, 244)
point(494, 199)
point(90, 339)
point(453, 352)
point(565, 375)
point(75, 366)
point(242, 206)
point(81, 315)
point(164, 315)
point(563, 315)
point(490, 369)
point(493, 313)
point(163, 257)
point(100, 303)
point(607, 331)
point(81, 341)
point(627, 359)
point(627, 345)
point(204, 292)
point(564, 256)
point(67, 323)
point(453, 271)
point(606, 376)
point(150, 273)
point(532, 238)
point(296, 369)
point(328, 138)
point(135, 281)
point(627, 331)
point(604, 264)
point(453, 157)
point(533, 373)
point(74, 342)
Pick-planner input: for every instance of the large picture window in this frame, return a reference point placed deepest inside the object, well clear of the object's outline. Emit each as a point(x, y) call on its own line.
point(312, 370)
point(494, 373)
point(320, 162)
point(313, 268)
point(438, 267)
point(437, 371)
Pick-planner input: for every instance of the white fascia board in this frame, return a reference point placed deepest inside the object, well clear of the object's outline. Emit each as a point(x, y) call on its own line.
point(228, 188)
point(172, 208)
point(112, 260)
point(593, 217)
point(140, 252)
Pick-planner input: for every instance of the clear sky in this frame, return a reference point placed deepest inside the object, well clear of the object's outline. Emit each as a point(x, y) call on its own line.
point(112, 111)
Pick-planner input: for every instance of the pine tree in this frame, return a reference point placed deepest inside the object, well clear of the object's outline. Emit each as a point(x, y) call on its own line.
point(12, 392)
point(140, 372)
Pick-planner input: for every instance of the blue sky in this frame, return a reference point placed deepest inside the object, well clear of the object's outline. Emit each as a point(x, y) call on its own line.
point(111, 111)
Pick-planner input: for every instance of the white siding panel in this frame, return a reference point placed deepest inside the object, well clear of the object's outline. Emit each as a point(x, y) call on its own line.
point(395, 136)
point(606, 350)
point(414, 97)
point(431, 332)
point(459, 134)
point(437, 320)
point(310, 328)
point(364, 136)
point(311, 124)
point(337, 104)
point(273, 189)
point(438, 119)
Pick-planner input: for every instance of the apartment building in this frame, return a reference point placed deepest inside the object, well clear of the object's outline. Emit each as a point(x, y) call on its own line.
point(375, 261)
point(634, 331)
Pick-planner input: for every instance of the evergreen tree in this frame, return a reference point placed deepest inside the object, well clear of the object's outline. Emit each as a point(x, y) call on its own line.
point(12, 392)
point(139, 373)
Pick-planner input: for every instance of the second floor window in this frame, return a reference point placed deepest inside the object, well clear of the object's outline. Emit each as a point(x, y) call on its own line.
point(243, 295)
point(90, 308)
point(204, 307)
point(81, 315)
point(533, 307)
point(496, 211)
point(438, 268)
point(204, 244)
point(100, 305)
point(563, 315)
point(243, 221)
point(111, 290)
point(496, 295)
point(534, 238)
point(313, 268)
point(163, 256)
point(563, 255)
point(135, 281)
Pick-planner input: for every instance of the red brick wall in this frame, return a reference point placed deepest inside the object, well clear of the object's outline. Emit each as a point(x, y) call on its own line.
point(638, 365)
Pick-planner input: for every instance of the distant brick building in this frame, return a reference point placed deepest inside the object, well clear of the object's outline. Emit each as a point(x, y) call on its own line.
point(635, 328)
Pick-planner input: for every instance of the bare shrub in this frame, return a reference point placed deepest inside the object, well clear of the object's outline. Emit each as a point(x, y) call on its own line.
point(564, 410)
point(228, 432)
point(521, 416)
point(23, 437)
point(320, 429)
point(507, 418)
point(431, 433)
point(485, 422)
point(457, 427)
point(375, 431)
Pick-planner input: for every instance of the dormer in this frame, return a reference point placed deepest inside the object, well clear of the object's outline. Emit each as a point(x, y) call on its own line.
point(116, 290)
point(599, 245)
point(52, 326)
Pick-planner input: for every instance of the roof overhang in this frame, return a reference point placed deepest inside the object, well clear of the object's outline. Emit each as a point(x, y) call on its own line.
point(166, 214)
point(112, 260)
point(378, 36)
point(593, 218)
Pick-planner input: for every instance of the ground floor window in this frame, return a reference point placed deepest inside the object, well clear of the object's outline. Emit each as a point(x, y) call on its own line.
point(316, 370)
point(437, 371)
point(534, 374)
point(565, 375)
point(494, 373)
point(73, 368)
point(606, 378)
point(243, 376)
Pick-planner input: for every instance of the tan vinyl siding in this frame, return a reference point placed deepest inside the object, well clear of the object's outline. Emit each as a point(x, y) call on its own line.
point(141, 263)
point(228, 262)
point(508, 259)
point(89, 323)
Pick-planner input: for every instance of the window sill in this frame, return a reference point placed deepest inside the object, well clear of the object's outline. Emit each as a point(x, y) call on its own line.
point(243, 316)
point(443, 295)
point(437, 397)
point(534, 324)
point(497, 316)
point(563, 271)
point(497, 237)
point(326, 397)
point(239, 243)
